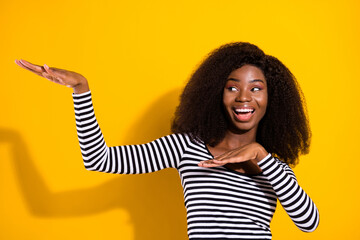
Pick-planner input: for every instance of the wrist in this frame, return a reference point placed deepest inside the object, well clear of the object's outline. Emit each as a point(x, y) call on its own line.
point(81, 88)
point(261, 153)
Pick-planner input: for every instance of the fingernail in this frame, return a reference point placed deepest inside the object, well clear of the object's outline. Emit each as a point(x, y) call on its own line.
point(46, 66)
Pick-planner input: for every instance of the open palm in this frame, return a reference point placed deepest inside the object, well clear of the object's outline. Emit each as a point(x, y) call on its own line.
point(61, 76)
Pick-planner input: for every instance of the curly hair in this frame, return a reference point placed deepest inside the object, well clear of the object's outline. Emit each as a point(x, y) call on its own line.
point(284, 130)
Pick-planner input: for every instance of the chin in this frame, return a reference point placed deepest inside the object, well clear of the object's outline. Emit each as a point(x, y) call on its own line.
point(244, 128)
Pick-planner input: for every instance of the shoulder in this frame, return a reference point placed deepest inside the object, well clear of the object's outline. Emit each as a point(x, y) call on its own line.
point(186, 137)
point(178, 138)
point(285, 167)
point(185, 140)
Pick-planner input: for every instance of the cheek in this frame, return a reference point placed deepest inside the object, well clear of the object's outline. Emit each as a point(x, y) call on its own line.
point(262, 103)
point(227, 100)
point(264, 99)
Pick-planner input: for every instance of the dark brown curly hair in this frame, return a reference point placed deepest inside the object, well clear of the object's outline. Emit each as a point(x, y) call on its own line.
point(284, 130)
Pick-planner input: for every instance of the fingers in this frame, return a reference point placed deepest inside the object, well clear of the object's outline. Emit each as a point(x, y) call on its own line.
point(224, 155)
point(49, 72)
point(20, 64)
point(225, 160)
point(55, 74)
point(219, 160)
point(31, 66)
point(209, 163)
point(245, 153)
point(43, 71)
point(214, 162)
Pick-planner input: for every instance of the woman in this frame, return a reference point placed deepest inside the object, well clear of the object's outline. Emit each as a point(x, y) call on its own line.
point(243, 107)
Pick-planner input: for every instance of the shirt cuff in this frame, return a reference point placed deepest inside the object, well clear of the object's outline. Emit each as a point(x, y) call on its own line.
point(81, 94)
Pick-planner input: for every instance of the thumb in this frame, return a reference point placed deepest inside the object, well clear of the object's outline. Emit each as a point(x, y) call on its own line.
point(54, 72)
point(49, 71)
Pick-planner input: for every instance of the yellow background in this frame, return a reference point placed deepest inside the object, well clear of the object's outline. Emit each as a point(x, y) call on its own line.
point(137, 56)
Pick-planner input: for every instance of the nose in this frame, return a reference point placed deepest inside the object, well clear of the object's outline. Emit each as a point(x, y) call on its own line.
point(243, 96)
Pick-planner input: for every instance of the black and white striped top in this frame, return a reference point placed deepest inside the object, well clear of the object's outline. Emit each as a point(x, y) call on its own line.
point(220, 203)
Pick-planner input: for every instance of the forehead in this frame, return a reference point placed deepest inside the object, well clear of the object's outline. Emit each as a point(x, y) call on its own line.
point(247, 72)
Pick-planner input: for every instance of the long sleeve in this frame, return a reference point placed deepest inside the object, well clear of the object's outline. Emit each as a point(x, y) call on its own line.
point(161, 153)
point(296, 202)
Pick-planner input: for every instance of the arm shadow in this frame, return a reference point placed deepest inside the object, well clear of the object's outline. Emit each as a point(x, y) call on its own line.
point(154, 201)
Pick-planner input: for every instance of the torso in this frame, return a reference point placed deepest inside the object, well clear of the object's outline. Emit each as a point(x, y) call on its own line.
point(221, 202)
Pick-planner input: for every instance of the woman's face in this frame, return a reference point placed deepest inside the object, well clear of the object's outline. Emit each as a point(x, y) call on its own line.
point(245, 98)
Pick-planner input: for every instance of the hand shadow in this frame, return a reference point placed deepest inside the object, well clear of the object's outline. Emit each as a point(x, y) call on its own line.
point(154, 201)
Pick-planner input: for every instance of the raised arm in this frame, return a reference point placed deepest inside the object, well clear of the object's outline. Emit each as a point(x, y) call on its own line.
point(162, 153)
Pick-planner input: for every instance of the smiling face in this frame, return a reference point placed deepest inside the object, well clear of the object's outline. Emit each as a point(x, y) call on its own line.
point(245, 99)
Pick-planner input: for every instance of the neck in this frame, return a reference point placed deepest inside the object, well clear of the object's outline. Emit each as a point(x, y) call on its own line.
point(235, 139)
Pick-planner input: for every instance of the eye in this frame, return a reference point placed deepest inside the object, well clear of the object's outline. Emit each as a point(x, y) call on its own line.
point(255, 89)
point(232, 89)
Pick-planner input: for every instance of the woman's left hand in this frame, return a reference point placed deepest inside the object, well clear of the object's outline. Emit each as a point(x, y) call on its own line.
point(251, 152)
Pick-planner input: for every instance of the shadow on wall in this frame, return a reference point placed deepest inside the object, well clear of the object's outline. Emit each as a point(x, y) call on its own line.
point(161, 214)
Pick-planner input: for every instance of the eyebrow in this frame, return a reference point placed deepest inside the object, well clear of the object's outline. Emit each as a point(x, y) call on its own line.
point(254, 80)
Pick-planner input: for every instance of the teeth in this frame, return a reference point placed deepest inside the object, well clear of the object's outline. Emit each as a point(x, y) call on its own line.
point(243, 110)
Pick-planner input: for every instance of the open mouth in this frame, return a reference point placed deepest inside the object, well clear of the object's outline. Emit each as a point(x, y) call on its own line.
point(243, 114)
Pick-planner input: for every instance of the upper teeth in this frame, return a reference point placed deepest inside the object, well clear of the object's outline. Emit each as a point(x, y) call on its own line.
point(243, 110)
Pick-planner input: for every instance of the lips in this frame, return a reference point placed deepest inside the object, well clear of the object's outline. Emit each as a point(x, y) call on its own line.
point(243, 114)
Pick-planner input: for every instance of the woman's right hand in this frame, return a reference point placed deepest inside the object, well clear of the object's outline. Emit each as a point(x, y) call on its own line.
point(63, 77)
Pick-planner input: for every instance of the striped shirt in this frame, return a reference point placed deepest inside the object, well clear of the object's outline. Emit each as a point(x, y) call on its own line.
point(221, 203)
